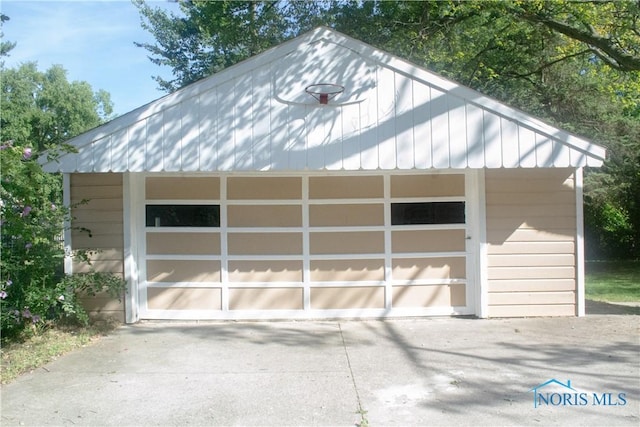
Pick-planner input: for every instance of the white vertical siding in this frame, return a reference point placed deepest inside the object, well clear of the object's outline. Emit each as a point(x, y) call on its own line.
point(136, 153)
point(458, 150)
point(404, 120)
point(172, 139)
point(190, 131)
point(387, 95)
point(244, 116)
point(389, 117)
point(120, 158)
point(403, 124)
point(296, 148)
point(369, 132)
point(85, 159)
point(316, 138)
point(351, 120)
point(226, 125)
point(492, 140)
point(561, 155)
point(544, 150)
point(153, 146)
point(475, 136)
point(510, 152)
point(423, 152)
point(280, 140)
point(262, 121)
point(439, 129)
point(102, 155)
point(527, 142)
point(208, 130)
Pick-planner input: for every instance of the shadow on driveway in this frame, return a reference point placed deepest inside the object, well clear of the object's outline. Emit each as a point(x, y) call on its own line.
point(436, 371)
point(600, 307)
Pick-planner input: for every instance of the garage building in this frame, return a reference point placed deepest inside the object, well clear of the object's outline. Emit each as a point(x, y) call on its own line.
point(323, 179)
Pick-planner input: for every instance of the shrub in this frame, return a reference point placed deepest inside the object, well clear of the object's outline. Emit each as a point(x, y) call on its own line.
point(33, 288)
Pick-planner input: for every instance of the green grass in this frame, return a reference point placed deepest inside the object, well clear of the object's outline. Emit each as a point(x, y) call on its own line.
point(38, 347)
point(614, 281)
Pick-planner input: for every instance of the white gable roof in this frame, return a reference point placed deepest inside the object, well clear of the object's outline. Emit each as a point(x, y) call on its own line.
point(256, 116)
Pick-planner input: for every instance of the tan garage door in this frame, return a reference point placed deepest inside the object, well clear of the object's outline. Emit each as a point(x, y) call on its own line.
point(230, 247)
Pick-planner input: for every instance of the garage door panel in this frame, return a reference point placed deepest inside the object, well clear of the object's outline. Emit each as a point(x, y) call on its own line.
point(183, 271)
point(427, 185)
point(265, 243)
point(265, 271)
point(184, 298)
point(264, 215)
point(183, 243)
point(182, 188)
point(429, 268)
point(366, 242)
point(264, 188)
point(347, 298)
point(346, 187)
point(265, 299)
point(346, 215)
point(428, 241)
point(345, 270)
point(429, 296)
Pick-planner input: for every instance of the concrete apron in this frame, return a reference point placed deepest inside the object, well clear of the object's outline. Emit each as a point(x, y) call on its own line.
point(440, 371)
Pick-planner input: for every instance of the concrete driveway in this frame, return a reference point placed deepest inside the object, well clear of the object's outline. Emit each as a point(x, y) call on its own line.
point(441, 371)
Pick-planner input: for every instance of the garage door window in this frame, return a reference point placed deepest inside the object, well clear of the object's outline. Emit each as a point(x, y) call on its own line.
point(427, 213)
point(183, 216)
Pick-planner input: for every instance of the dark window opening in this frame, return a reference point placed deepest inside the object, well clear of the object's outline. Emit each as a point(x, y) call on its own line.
point(183, 216)
point(427, 213)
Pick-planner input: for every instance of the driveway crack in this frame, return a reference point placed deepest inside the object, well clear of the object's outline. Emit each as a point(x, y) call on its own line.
point(363, 414)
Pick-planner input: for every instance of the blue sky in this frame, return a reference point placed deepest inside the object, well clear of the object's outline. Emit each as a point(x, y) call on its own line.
point(92, 40)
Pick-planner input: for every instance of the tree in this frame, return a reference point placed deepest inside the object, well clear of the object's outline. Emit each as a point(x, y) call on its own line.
point(609, 30)
point(5, 46)
point(32, 220)
point(40, 110)
point(210, 36)
point(44, 109)
point(32, 287)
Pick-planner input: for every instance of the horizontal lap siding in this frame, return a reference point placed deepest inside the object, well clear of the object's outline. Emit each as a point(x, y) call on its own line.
point(531, 232)
point(97, 227)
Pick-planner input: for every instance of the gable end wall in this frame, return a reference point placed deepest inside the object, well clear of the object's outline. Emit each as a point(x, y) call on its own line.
point(102, 215)
point(531, 236)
